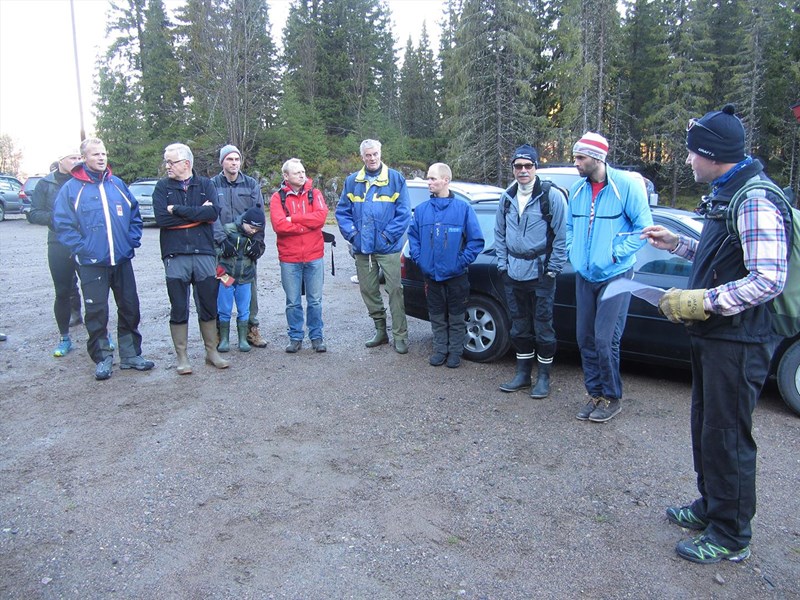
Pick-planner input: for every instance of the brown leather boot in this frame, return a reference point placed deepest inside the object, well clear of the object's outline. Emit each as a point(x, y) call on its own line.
point(254, 337)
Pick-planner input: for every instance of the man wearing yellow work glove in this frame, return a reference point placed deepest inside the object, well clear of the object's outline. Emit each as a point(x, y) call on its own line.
point(683, 305)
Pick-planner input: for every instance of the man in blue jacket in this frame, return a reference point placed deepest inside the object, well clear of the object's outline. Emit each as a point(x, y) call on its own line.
point(97, 218)
point(602, 205)
point(530, 243)
point(373, 214)
point(444, 239)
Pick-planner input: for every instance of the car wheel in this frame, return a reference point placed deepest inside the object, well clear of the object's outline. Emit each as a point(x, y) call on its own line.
point(789, 377)
point(487, 330)
point(2, 212)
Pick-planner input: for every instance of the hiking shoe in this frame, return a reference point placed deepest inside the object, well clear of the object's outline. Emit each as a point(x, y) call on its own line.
point(453, 361)
point(136, 362)
point(319, 345)
point(684, 516)
point(294, 346)
point(583, 414)
point(254, 337)
point(103, 369)
point(401, 346)
point(702, 549)
point(437, 359)
point(605, 411)
point(64, 346)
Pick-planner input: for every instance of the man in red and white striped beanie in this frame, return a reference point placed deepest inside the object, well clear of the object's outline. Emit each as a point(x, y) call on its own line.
point(592, 144)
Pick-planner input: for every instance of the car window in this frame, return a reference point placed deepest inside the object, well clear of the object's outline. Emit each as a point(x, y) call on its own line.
point(142, 190)
point(562, 180)
point(486, 219)
point(659, 262)
point(417, 195)
point(9, 185)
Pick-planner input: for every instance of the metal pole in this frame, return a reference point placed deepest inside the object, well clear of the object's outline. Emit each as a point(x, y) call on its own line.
point(77, 68)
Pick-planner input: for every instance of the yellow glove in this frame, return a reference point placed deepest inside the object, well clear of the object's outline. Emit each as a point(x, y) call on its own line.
point(683, 305)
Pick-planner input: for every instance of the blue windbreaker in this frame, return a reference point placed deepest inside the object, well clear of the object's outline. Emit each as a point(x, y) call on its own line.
point(444, 238)
point(597, 253)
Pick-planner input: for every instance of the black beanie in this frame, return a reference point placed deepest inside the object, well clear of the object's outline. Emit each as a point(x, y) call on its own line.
point(526, 151)
point(254, 216)
point(718, 135)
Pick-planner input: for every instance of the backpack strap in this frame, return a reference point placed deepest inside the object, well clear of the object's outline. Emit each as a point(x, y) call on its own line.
point(282, 194)
point(732, 213)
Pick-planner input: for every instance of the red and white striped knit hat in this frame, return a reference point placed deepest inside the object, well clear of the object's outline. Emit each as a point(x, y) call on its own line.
point(592, 144)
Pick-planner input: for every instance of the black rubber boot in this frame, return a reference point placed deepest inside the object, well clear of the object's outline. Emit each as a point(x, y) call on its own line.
point(522, 379)
point(542, 387)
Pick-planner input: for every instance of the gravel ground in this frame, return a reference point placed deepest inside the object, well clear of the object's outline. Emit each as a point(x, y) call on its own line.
point(352, 474)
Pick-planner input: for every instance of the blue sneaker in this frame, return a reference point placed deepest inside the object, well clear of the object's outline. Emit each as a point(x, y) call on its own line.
point(103, 369)
point(684, 516)
point(705, 551)
point(63, 348)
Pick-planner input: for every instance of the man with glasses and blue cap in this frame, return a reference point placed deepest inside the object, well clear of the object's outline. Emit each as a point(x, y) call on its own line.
point(726, 313)
point(530, 243)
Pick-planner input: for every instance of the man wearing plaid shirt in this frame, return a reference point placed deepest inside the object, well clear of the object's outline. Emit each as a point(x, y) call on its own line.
point(726, 314)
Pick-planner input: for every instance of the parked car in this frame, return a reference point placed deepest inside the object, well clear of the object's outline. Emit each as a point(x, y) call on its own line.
point(26, 193)
point(10, 202)
point(469, 192)
point(565, 177)
point(649, 337)
point(142, 189)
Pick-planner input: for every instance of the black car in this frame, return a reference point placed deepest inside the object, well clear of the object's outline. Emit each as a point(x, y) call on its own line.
point(649, 337)
point(10, 202)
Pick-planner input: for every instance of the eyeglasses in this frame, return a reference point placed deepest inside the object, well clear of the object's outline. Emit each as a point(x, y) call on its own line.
point(693, 122)
point(172, 163)
point(521, 166)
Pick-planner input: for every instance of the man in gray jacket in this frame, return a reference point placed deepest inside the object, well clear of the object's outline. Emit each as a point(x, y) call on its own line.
point(236, 193)
point(530, 242)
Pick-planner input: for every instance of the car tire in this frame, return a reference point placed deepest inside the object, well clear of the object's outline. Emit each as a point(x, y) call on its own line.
point(789, 377)
point(487, 330)
point(2, 212)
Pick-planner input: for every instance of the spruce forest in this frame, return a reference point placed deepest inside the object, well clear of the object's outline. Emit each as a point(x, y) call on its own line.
point(505, 72)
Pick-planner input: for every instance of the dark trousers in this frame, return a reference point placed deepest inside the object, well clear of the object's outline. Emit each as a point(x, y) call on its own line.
point(188, 273)
point(447, 304)
point(532, 316)
point(599, 326)
point(727, 378)
point(64, 271)
point(96, 281)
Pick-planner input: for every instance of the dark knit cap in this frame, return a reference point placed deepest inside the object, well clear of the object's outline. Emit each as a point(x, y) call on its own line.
point(528, 152)
point(255, 217)
point(718, 135)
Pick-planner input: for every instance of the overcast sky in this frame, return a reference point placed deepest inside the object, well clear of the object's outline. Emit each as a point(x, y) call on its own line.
point(38, 92)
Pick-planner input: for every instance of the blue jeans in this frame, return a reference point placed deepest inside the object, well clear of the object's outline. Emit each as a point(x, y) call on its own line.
point(599, 330)
point(225, 297)
point(295, 276)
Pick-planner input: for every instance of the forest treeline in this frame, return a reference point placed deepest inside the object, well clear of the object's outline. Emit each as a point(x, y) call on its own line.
point(505, 72)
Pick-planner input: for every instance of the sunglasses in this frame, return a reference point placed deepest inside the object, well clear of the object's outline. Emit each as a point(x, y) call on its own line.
point(695, 122)
point(526, 166)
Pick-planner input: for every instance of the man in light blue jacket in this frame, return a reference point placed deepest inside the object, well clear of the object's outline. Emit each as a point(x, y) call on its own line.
point(603, 205)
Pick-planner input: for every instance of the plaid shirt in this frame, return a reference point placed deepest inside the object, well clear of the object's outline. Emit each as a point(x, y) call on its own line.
point(764, 248)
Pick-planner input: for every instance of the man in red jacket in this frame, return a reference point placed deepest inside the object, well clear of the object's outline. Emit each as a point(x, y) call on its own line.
point(298, 212)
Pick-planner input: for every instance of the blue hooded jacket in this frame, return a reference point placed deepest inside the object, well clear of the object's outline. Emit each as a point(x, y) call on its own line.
point(444, 238)
point(97, 218)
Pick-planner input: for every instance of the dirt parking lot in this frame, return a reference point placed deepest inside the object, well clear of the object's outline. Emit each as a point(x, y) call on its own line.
point(352, 474)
